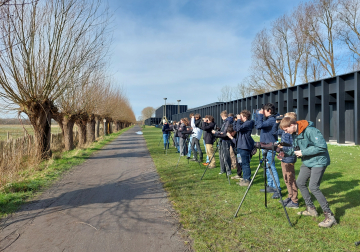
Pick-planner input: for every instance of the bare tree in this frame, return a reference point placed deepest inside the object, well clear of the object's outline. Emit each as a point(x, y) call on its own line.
point(322, 18)
point(147, 112)
point(349, 28)
point(46, 45)
point(225, 94)
point(242, 90)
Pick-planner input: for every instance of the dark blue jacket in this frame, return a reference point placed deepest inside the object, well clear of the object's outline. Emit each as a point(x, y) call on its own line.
point(266, 126)
point(228, 121)
point(244, 139)
point(285, 138)
point(164, 129)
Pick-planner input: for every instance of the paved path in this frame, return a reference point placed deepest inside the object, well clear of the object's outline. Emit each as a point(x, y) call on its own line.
point(112, 202)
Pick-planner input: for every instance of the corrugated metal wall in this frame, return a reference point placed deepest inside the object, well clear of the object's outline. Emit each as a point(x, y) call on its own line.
point(333, 104)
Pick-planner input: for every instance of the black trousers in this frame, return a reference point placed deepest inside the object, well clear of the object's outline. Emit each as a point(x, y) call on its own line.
point(224, 156)
point(197, 142)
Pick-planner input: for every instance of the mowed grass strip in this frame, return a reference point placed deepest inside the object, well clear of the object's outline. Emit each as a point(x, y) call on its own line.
point(207, 207)
point(37, 178)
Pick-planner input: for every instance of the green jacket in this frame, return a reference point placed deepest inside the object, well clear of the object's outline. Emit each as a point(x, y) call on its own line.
point(312, 145)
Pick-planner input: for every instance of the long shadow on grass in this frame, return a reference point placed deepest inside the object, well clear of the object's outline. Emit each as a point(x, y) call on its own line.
point(348, 200)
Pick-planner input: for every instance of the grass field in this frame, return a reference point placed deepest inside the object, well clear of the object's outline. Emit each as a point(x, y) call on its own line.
point(16, 131)
point(36, 178)
point(206, 208)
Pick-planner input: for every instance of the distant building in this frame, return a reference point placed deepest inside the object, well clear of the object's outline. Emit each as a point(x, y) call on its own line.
point(170, 111)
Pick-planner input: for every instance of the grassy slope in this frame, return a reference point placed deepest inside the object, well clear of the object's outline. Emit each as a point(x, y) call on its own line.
point(207, 207)
point(17, 193)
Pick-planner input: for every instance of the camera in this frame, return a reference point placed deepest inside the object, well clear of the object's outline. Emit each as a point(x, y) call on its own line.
point(279, 118)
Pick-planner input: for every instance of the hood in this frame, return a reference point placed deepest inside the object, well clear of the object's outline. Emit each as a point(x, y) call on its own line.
point(302, 125)
point(230, 119)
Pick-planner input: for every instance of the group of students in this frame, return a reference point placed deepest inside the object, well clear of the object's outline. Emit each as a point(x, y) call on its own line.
point(235, 143)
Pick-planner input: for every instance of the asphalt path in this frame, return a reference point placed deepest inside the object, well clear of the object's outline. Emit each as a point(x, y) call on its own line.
point(112, 202)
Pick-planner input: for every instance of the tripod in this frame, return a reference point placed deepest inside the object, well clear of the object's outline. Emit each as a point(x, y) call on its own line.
point(220, 156)
point(265, 164)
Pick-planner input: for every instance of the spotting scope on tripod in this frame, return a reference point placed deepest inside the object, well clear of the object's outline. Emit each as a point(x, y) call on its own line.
point(264, 163)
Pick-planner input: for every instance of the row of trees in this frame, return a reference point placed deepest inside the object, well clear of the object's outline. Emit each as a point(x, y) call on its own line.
point(52, 66)
point(318, 39)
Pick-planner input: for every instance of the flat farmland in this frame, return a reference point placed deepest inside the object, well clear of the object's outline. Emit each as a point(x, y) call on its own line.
point(16, 131)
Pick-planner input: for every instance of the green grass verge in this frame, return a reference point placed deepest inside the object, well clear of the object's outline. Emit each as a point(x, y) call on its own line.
point(15, 194)
point(207, 207)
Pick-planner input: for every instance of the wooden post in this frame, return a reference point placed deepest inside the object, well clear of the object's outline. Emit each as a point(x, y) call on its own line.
point(8, 135)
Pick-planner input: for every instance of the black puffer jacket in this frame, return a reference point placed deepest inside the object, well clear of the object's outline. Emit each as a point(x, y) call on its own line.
point(208, 136)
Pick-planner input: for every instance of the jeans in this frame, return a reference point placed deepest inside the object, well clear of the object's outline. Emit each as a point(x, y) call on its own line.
point(182, 146)
point(207, 157)
point(177, 143)
point(270, 180)
point(166, 140)
point(189, 147)
point(315, 174)
point(245, 165)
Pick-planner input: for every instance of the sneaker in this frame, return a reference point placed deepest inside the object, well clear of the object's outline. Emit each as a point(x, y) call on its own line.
point(236, 177)
point(244, 182)
point(292, 205)
point(181, 155)
point(194, 159)
point(276, 195)
point(269, 189)
point(205, 164)
point(329, 220)
point(286, 201)
point(228, 174)
point(310, 211)
point(211, 166)
point(187, 157)
point(222, 172)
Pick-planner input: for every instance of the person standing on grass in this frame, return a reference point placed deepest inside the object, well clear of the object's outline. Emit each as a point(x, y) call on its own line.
point(224, 145)
point(309, 145)
point(196, 136)
point(190, 141)
point(287, 165)
point(166, 133)
point(182, 128)
point(176, 136)
point(265, 120)
point(244, 144)
point(207, 126)
point(232, 152)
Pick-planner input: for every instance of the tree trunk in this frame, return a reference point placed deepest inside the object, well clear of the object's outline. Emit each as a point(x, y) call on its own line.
point(97, 127)
point(40, 118)
point(110, 127)
point(68, 133)
point(90, 128)
point(81, 124)
point(117, 126)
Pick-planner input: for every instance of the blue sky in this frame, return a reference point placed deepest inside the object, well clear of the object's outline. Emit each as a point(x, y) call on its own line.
point(185, 50)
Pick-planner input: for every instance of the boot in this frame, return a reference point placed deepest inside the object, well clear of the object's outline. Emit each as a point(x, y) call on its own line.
point(329, 220)
point(310, 211)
